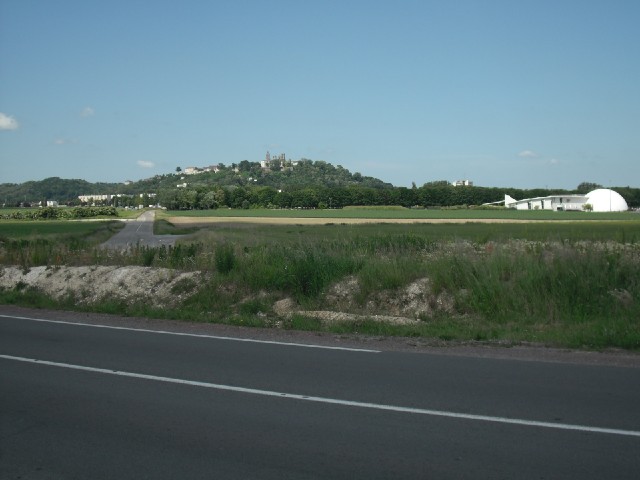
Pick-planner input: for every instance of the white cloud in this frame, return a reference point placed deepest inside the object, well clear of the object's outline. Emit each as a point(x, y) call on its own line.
point(87, 112)
point(527, 154)
point(554, 161)
point(7, 122)
point(146, 164)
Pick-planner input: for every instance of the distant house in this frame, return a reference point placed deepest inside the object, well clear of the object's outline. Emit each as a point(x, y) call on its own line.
point(52, 203)
point(94, 198)
point(462, 183)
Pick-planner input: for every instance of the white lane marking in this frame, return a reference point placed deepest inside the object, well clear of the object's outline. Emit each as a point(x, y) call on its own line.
point(182, 334)
point(334, 401)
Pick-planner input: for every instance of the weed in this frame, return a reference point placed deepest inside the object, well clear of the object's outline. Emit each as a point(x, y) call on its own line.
point(148, 254)
point(184, 285)
point(225, 258)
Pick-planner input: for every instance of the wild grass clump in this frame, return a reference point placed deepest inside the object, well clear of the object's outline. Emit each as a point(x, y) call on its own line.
point(388, 273)
point(225, 258)
point(303, 271)
point(386, 243)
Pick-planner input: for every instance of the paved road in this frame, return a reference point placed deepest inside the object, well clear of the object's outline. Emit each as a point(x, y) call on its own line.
point(83, 401)
point(139, 232)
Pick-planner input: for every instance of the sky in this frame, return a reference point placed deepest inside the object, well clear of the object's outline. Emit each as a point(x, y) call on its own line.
point(525, 94)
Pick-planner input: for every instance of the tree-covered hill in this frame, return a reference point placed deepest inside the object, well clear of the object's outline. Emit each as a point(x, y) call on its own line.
point(303, 174)
point(53, 188)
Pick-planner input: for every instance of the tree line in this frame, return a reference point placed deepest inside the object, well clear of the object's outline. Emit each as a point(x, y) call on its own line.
point(427, 196)
point(53, 213)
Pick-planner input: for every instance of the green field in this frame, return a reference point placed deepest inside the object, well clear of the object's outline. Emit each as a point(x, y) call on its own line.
point(43, 242)
point(481, 233)
point(406, 213)
point(21, 229)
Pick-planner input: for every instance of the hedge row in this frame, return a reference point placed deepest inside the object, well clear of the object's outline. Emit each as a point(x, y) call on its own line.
point(55, 213)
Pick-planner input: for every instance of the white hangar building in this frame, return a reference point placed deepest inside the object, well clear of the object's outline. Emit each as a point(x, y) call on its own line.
point(601, 200)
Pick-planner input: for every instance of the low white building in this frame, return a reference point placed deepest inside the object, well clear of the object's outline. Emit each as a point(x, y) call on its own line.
point(600, 200)
point(462, 183)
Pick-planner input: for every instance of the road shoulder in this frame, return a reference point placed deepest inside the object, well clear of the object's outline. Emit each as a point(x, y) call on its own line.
point(522, 352)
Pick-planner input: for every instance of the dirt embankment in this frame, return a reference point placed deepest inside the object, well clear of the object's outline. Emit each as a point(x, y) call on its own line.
point(159, 287)
point(166, 288)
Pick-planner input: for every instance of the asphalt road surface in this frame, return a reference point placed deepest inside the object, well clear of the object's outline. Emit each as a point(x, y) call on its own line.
point(94, 401)
point(139, 232)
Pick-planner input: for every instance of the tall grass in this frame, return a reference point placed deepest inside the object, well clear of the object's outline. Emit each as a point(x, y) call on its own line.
point(31, 244)
point(557, 283)
point(303, 271)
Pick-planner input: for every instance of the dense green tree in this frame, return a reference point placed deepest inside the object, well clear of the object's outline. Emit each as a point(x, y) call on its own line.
point(208, 200)
point(586, 187)
point(437, 183)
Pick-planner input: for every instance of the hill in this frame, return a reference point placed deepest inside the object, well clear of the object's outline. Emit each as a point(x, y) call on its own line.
point(290, 176)
point(53, 188)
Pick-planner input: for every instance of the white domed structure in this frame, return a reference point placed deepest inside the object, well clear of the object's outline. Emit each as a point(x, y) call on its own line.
point(606, 200)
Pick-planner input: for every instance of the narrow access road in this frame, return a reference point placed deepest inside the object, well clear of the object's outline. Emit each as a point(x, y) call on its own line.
point(85, 400)
point(139, 232)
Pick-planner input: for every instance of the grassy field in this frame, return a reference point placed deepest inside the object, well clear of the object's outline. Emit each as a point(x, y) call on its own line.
point(32, 243)
point(572, 283)
point(259, 233)
point(406, 213)
point(21, 229)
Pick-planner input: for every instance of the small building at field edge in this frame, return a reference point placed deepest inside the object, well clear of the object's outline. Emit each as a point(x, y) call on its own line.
point(600, 200)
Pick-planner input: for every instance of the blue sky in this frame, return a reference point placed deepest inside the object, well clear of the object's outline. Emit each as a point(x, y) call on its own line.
point(505, 93)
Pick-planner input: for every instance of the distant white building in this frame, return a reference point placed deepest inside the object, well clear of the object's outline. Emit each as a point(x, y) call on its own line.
point(94, 198)
point(462, 183)
point(601, 200)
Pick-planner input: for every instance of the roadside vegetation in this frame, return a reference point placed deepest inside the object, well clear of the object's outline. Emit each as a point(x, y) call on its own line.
point(573, 284)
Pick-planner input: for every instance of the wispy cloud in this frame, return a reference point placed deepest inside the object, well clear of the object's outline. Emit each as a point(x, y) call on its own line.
point(7, 122)
point(528, 154)
point(64, 141)
point(538, 159)
point(87, 112)
point(146, 164)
